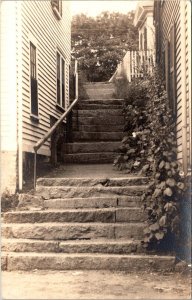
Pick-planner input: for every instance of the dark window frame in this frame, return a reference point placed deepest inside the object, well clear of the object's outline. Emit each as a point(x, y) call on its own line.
point(33, 80)
point(145, 39)
point(61, 69)
point(170, 70)
point(57, 8)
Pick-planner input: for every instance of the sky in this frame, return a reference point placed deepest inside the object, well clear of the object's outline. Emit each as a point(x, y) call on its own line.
point(95, 7)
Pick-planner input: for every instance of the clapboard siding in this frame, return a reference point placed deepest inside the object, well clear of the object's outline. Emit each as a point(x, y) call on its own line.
point(168, 13)
point(188, 75)
point(51, 35)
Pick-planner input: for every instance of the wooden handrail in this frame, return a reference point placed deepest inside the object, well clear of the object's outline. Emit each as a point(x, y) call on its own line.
point(54, 127)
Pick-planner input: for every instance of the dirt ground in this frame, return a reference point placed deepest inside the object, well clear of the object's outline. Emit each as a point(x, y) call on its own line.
point(94, 285)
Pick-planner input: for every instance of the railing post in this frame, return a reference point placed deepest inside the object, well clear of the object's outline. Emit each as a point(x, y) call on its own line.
point(76, 80)
point(35, 169)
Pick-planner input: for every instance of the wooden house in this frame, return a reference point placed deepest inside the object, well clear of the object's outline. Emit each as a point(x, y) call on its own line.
point(143, 20)
point(172, 20)
point(135, 63)
point(35, 62)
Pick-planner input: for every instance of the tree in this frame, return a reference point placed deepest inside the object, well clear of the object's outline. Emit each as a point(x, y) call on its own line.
point(100, 43)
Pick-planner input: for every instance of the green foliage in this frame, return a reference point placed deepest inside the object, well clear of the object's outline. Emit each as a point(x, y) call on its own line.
point(100, 43)
point(149, 148)
point(134, 144)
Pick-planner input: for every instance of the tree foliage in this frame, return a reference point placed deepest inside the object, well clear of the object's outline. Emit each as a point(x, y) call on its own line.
point(100, 43)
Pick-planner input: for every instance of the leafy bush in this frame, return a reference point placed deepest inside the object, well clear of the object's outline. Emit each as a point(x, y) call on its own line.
point(134, 143)
point(149, 148)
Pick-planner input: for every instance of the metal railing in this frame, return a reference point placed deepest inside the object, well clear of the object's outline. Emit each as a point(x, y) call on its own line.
point(54, 127)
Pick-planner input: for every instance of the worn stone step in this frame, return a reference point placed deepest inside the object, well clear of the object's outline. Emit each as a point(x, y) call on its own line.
point(96, 92)
point(97, 136)
point(98, 128)
point(54, 192)
point(73, 231)
point(99, 120)
point(95, 202)
point(81, 246)
point(98, 106)
point(91, 147)
point(105, 215)
point(90, 158)
point(80, 182)
point(107, 102)
point(98, 112)
point(31, 202)
point(84, 261)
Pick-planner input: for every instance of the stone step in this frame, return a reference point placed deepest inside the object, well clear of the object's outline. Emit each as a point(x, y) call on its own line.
point(31, 202)
point(95, 202)
point(90, 158)
point(103, 92)
point(96, 86)
point(84, 261)
point(101, 102)
point(80, 182)
point(73, 231)
point(104, 215)
point(97, 136)
point(99, 120)
point(81, 246)
point(91, 147)
point(94, 113)
point(55, 192)
point(98, 106)
point(98, 128)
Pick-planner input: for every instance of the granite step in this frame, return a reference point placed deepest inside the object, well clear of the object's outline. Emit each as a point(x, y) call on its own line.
point(101, 102)
point(98, 106)
point(73, 231)
point(55, 192)
point(97, 136)
point(98, 112)
point(98, 128)
point(32, 202)
point(99, 120)
point(80, 182)
point(104, 215)
point(91, 147)
point(90, 158)
point(78, 246)
point(95, 202)
point(86, 261)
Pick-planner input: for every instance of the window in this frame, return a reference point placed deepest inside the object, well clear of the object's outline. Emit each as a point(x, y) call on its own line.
point(170, 70)
point(57, 8)
point(33, 80)
point(141, 41)
point(60, 80)
point(145, 39)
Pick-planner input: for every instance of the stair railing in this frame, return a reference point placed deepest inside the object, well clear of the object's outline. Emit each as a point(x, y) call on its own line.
point(54, 127)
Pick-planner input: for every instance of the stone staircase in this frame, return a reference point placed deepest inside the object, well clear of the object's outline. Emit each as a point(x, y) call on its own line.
point(97, 127)
point(87, 216)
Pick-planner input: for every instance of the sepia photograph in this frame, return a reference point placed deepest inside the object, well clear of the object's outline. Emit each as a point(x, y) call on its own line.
point(95, 140)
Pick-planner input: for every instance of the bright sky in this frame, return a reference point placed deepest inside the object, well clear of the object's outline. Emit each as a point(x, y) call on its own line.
point(95, 7)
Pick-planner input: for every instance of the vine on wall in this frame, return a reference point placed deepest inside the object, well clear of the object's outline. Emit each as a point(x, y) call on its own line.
point(149, 147)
